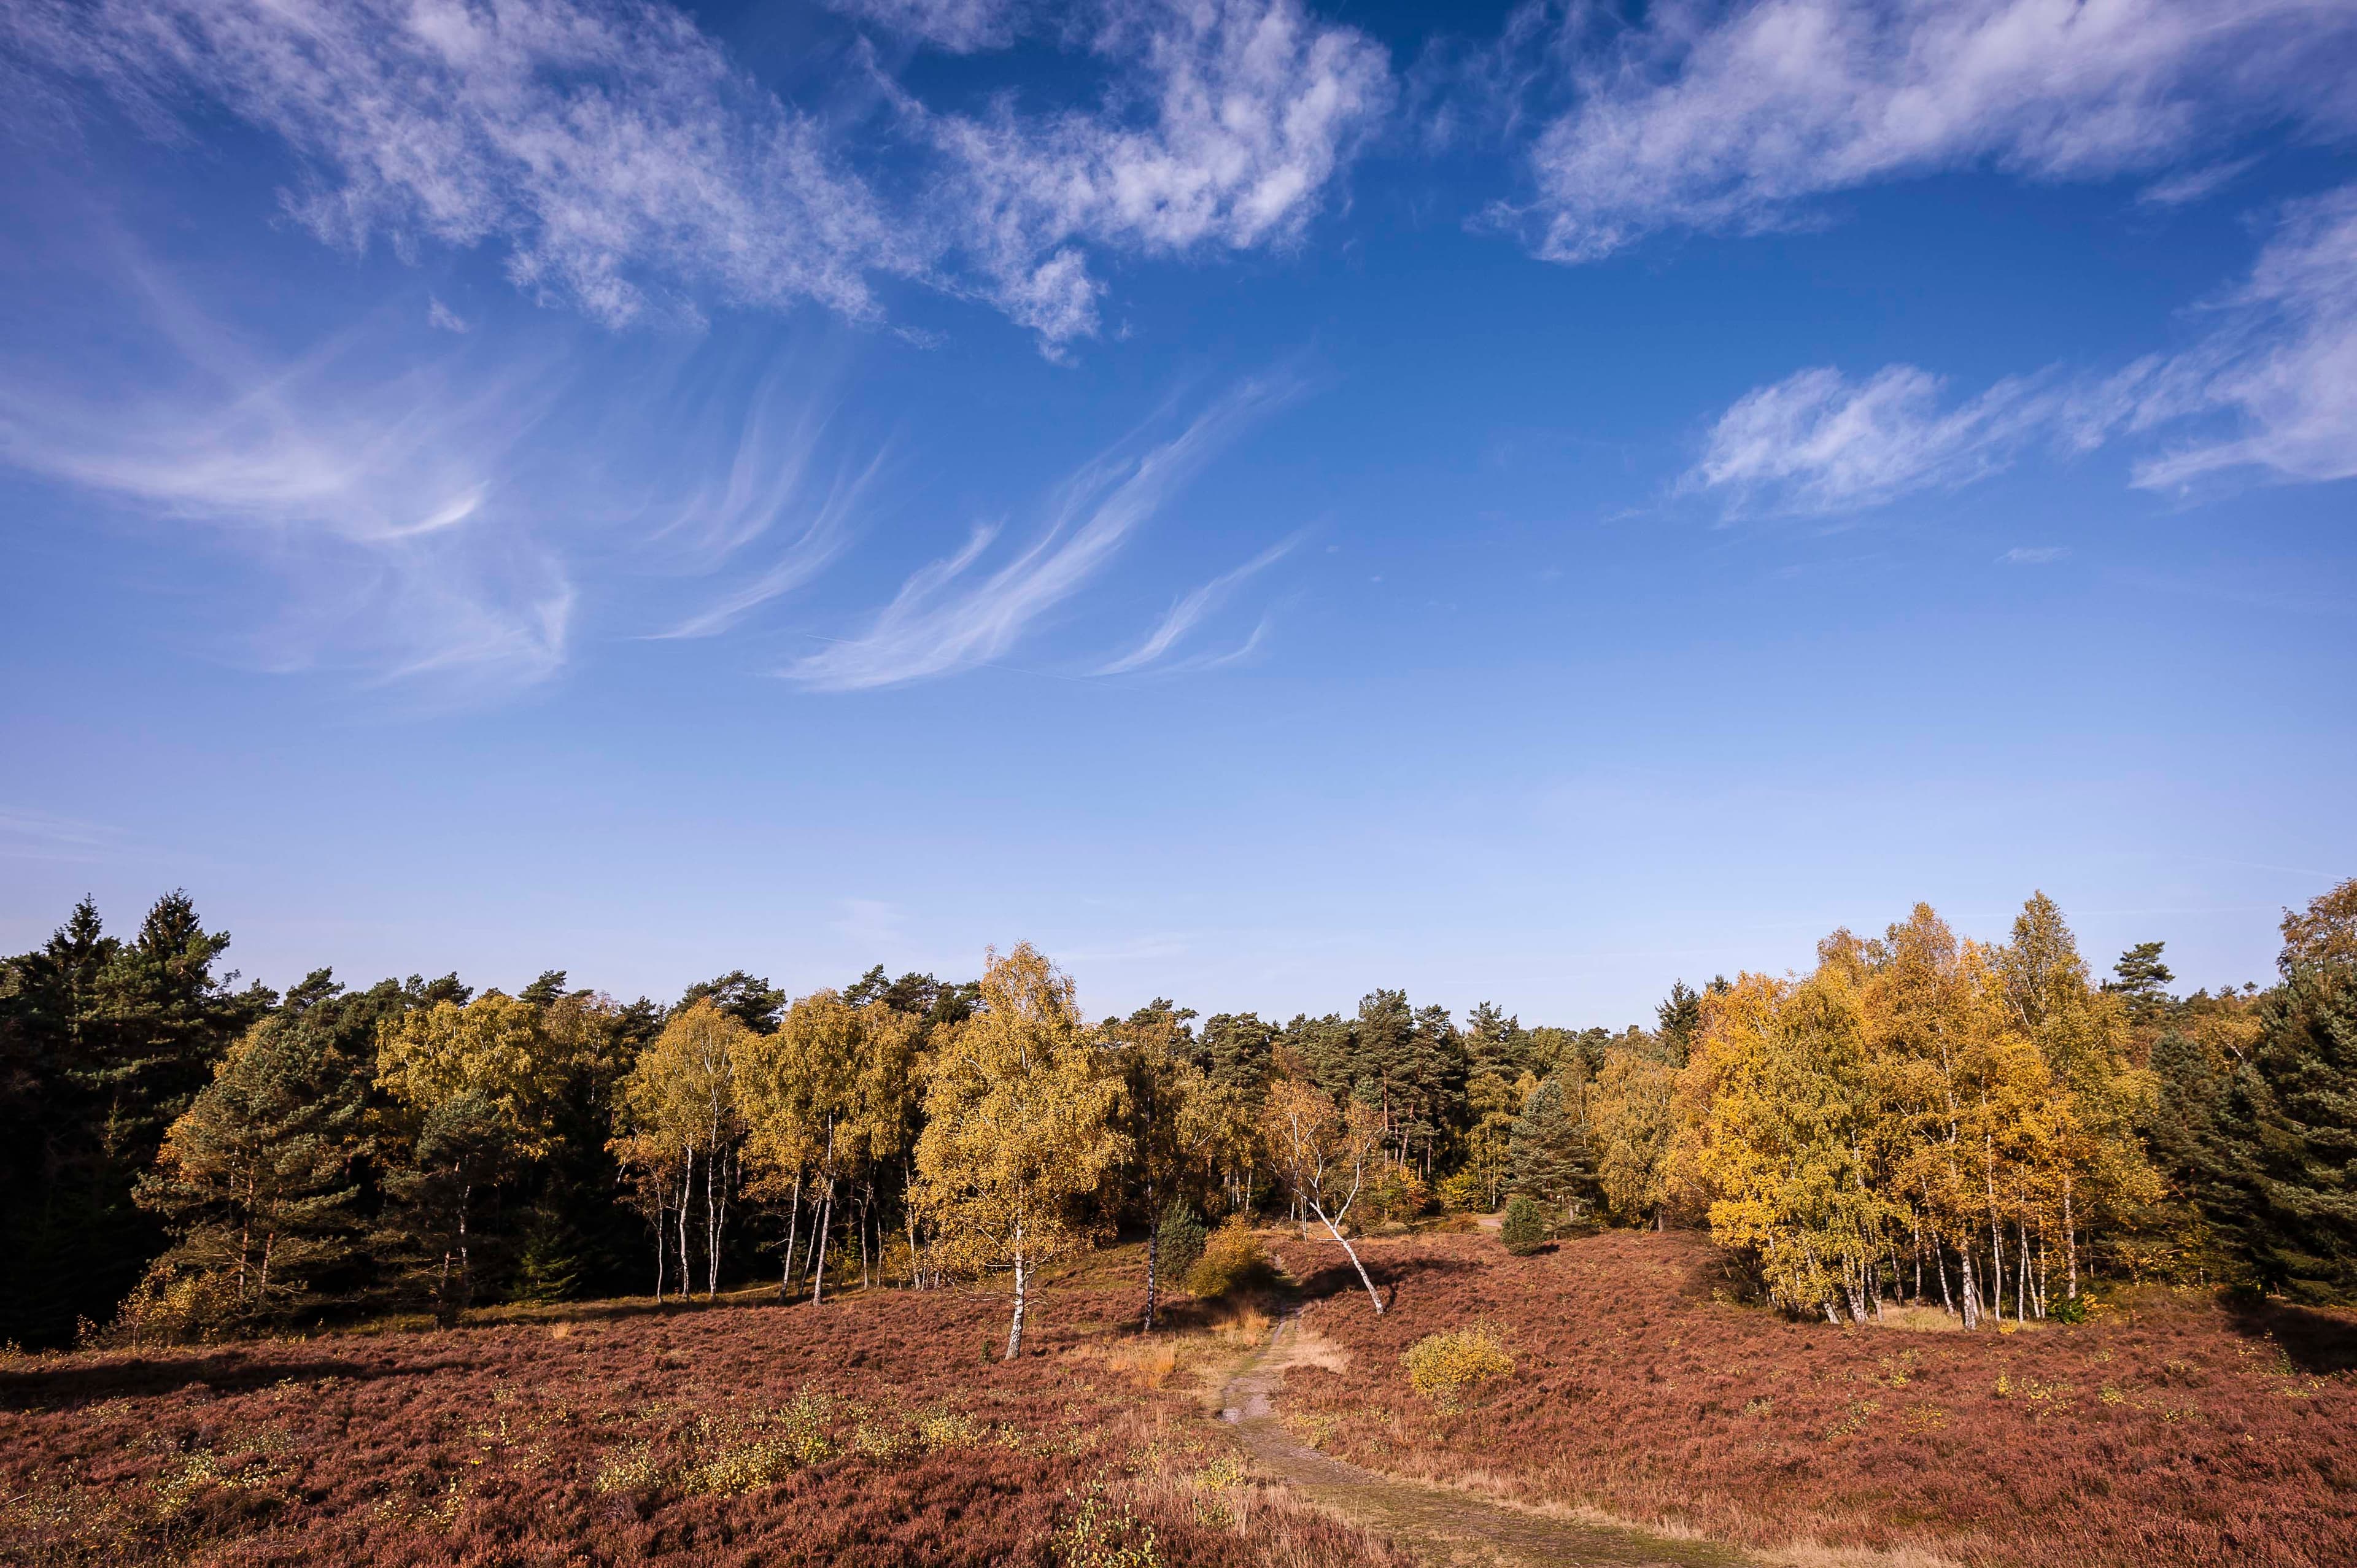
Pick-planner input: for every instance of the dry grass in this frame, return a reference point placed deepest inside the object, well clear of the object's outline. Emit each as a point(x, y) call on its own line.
point(2167, 1431)
point(867, 1432)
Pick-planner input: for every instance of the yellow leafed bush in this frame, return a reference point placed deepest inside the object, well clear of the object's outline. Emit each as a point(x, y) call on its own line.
point(1232, 1259)
point(1447, 1369)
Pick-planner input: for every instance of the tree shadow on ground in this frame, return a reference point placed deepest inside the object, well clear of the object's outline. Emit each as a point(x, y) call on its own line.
point(226, 1371)
point(2319, 1341)
point(1335, 1277)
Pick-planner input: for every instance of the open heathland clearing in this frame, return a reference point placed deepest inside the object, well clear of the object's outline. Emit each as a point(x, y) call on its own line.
point(872, 1430)
point(2169, 1429)
point(868, 1430)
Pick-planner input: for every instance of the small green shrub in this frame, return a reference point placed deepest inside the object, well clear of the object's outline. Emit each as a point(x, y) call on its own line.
point(1525, 1228)
point(1449, 1368)
point(1231, 1260)
point(1179, 1243)
point(2070, 1309)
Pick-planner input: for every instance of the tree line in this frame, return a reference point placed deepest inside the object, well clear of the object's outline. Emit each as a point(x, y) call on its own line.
point(1920, 1119)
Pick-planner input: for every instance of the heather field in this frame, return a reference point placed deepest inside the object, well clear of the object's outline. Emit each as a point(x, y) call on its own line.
point(2169, 1430)
point(871, 1429)
point(865, 1431)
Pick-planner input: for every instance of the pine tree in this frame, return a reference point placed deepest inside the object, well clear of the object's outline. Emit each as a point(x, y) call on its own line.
point(256, 1178)
point(1552, 1152)
point(2278, 1165)
point(2142, 980)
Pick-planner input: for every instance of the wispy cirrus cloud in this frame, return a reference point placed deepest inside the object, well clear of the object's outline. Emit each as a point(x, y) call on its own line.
point(944, 619)
point(1818, 442)
point(960, 27)
point(379, 496)
point(631, 168)
point(1192, 607)
point(616, 152)
point(783, 474)
point(2281, 364)
point(2276, 368)
point(1222, 129)
point(1732, 117)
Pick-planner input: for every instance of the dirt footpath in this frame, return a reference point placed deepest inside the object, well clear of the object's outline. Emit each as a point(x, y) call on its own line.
point(1441, 1525)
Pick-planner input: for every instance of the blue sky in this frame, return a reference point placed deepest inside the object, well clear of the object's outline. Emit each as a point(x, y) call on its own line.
point(1264, 500)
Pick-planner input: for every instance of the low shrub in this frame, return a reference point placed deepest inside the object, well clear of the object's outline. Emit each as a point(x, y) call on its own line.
point(1179, 1241)
point(1459, 1193)
point(1401, 1196)
point(1525, 1228)
point(1233, 1259)
point(1449, 1368)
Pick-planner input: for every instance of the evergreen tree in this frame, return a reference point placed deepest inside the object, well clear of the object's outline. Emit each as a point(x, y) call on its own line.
point(1678, 1019)
point(2141, 979)
point(1525, 1228)
point(750, 998)
point(104, 1043)
point(256, 1179)
point(1496, 1042)
point(2277, 1163)
point(1554, 1155)
point(1237, 1052)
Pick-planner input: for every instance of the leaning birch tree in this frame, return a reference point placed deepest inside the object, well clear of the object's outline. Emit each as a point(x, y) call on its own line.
point(1323, 1153)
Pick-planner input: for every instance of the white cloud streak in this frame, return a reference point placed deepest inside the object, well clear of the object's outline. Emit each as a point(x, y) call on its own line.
point(939, 623)
point(2283, 366)
point(831, 521)
point(1189, 611)
point(630, 168)
point(1719, 117)
point(1250, 109)
point(380, 496)
point(615, 150)
point(1817, 442)
point(960, 27)
point(2277, 367)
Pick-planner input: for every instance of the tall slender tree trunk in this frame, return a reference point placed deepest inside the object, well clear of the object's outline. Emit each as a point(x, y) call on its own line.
point(1152, 1262)
point(1022, 1286)
point(1970, 1292)
point(818, 1245)
point(909, 1215)
point(686, 1201)
point(466, 1293)
point(793, 1224)
point(711, 1227)
point(2070, 1238)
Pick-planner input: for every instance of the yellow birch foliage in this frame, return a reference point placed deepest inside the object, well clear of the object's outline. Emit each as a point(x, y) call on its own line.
point(1629, 1108)
point(1018, 1126)
point(495, 1046)
point(680, 1094)
point(830, 1093)
point(1785, 1147)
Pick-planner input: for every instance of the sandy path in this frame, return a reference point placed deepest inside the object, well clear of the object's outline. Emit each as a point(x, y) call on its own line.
point(1435, 1523)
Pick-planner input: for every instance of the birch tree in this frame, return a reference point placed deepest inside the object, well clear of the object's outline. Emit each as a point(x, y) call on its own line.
point(1324, 1153)
point(827, 1101)
point(679, 1104)
point(1018, 1128)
